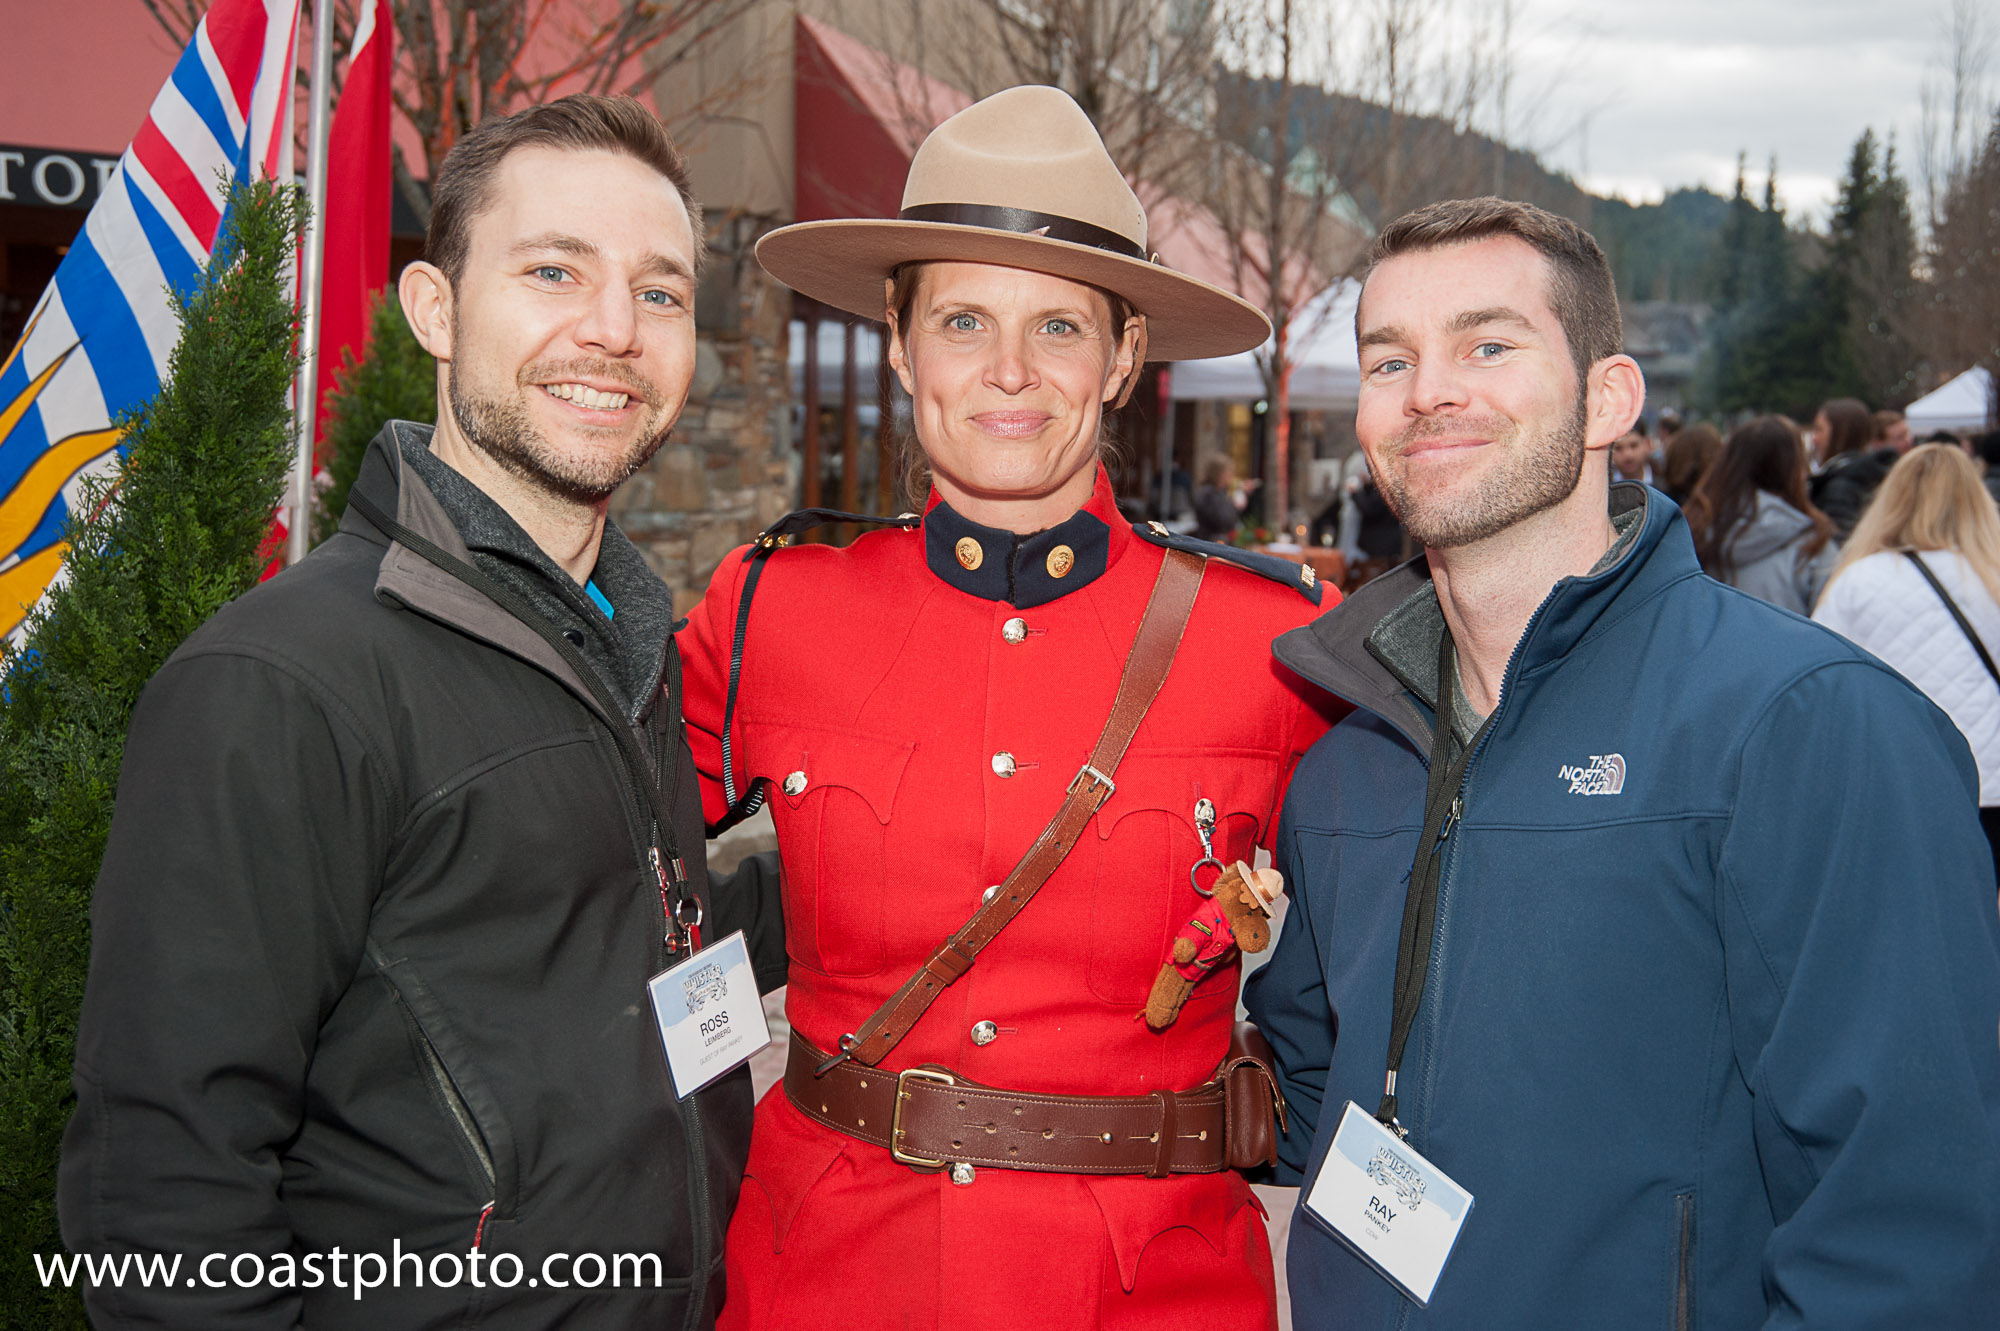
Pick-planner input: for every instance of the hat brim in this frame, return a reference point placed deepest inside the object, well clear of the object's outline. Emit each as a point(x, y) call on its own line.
point(843, 263)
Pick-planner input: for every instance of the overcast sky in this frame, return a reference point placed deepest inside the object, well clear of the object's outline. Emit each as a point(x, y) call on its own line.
point(1638, 96)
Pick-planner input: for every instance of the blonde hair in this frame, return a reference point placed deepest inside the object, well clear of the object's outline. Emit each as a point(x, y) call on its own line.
point(1933, 499)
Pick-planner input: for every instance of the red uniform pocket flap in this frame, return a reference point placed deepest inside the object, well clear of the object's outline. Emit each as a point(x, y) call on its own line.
point(1138, 1210)
point(1239, 782)
point(788, 1163)
point(799, 759)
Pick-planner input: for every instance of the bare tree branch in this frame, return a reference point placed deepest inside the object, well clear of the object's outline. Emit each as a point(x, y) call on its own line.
point(459, 60)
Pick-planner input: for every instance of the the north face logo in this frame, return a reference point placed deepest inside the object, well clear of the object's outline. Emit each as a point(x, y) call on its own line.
point(1604, 776)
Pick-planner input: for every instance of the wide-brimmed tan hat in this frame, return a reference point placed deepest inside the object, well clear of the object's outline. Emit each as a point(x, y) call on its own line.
point(1023, 180)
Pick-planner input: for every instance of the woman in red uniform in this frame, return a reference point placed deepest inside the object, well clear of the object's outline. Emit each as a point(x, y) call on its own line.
point(919, 704)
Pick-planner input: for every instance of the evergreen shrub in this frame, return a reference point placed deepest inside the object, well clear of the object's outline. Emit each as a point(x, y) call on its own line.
point(395, 379)
point(180, 535)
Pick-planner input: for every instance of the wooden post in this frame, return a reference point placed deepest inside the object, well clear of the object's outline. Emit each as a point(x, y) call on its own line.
point(850, 430)
point(887, 482)
point(809, 442)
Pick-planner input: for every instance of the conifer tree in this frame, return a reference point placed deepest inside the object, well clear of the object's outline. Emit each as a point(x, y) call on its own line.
point(395, 379)
point(1870, 280)
point(180, 535)
point(1788, 336)
point(1762, 354)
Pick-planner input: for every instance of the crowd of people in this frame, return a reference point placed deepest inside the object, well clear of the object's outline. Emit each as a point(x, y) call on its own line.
point(1894, 544)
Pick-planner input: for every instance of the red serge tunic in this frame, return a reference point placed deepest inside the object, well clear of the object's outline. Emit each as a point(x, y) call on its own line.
point(915, 747)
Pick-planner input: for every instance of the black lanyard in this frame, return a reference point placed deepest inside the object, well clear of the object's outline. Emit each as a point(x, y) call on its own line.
point(1442, 806)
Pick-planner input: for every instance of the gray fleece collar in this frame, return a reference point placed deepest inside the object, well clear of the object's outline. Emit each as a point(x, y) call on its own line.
point(628, 651)
point(1406, 639)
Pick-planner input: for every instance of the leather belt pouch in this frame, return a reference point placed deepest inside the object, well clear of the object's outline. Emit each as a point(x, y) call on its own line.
point(1256, 1108)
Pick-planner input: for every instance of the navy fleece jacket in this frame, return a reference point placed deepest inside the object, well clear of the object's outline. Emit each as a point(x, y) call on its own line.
point(1710, 1032)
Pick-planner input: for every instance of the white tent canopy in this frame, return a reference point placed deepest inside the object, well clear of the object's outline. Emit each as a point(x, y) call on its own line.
point(1326, 370)
point(1960, 404)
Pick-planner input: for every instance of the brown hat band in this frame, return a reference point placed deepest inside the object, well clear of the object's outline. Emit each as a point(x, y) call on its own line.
point(1026, 222)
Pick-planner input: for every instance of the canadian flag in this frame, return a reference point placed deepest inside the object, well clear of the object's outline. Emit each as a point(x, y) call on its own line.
point(354, 254)
point(355, 262)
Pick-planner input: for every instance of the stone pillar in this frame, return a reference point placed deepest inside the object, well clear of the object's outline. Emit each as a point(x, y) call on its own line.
point(728, 470)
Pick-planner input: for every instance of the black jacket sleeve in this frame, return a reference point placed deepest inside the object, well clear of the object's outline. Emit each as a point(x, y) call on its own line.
point(748, 898)
point(230, 913)
point(1843, 490)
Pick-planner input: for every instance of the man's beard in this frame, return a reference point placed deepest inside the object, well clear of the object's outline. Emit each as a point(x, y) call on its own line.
point(1536, 473)
point(500, 428)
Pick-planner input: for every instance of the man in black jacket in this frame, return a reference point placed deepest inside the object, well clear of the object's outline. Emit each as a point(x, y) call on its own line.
point(402, 834)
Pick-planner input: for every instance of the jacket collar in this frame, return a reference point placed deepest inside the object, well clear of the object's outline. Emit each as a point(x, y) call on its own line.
point(1026, 571)
point(408, 578)
point(1333, 650)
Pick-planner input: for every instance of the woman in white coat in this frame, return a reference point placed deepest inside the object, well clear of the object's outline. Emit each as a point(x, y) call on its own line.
point(1919, 586)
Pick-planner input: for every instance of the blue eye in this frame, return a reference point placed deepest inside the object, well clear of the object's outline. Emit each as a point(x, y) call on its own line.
point(1059, 326)
point(962, 323)
point(1391, 366)
point(658, 297)
point(1491, 349)
point(548, 272)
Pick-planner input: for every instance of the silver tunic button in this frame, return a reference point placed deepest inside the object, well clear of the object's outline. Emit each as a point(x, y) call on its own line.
point(962, 1174)
point(1003, 763)
point(985, 1033)
point(795, 784)
point(989, 894)
point(1014, 630)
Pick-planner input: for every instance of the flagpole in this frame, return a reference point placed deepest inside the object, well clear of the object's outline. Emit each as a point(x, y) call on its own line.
point(306, 395)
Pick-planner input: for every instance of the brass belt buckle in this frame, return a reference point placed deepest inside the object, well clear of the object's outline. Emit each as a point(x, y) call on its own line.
point(896, 1152)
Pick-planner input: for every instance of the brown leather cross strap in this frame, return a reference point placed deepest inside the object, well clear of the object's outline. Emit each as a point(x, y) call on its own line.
point(929, 1117)
point(1146, 669)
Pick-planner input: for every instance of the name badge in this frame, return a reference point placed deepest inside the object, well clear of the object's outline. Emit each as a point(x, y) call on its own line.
point(711, 1016)
point(1389, 1204)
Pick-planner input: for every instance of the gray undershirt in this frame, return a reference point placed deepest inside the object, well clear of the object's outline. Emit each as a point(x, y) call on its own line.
point(1406, 640)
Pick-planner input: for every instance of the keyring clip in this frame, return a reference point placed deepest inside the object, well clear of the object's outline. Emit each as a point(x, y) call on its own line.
point(847, 1043)
point(1204, 827)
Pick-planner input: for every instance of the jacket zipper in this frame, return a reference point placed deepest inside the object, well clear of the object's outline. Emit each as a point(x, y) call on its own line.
point(1684, 1261)
point(691, 1114)
point(1441, 715)
point(455, 1105)
point(447, 1089)
point(699, 1211)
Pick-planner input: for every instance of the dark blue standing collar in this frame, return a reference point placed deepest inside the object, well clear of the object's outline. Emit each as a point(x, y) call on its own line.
point(1024, 571)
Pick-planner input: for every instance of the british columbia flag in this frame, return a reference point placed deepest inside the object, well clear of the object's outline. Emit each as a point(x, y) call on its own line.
point(98, 341)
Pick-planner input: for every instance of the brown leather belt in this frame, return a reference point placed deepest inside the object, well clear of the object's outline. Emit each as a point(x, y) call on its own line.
point(929, 1118)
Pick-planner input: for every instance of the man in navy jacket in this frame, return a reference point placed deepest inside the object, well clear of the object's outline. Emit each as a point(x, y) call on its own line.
point(1701, 964)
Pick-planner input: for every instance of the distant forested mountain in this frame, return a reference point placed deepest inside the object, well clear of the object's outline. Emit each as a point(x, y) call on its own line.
point(1388, 164)
point(1664, 250)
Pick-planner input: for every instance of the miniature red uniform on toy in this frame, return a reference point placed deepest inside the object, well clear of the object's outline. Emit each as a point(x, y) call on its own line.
point(1202, 942)
point(918, 731)
point(1235, 916)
